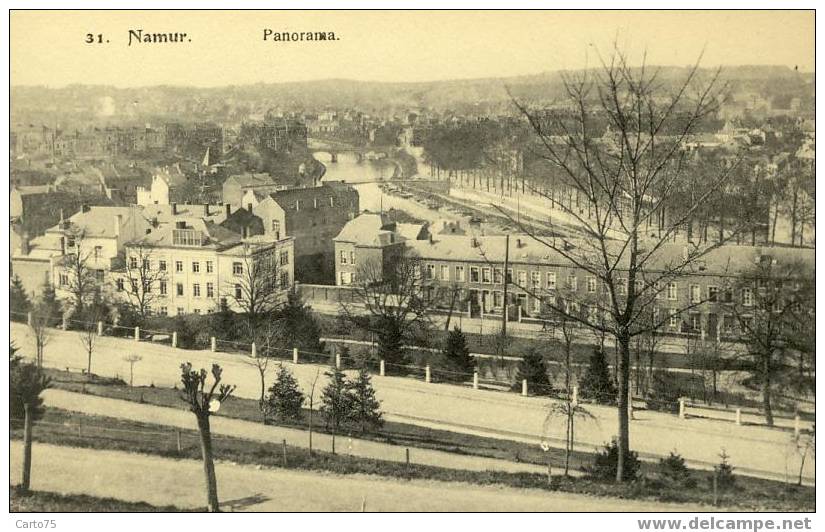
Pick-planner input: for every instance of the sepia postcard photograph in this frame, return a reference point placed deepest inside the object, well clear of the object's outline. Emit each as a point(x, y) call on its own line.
point(425, 261)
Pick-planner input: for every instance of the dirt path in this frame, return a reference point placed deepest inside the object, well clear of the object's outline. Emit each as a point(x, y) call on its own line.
point(160, 481)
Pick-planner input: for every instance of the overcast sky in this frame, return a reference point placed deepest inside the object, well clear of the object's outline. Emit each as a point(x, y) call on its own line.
point(47, 48)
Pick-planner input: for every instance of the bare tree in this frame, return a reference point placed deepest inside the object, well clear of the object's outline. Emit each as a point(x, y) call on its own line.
point(143, 280)
point(311, 405)
point(265, 334)
point(77, 264)
point(132, 360)
point(256, 286)
point(41, 321)
point(203, 403)
point(392, 295)
point(774, 307)
point(88, 338)
point(618, 145)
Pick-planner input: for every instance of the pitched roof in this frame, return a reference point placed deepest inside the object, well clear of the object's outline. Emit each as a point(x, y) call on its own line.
point(213, 236)
point(98, 221)
point(247, 180)
point(369, 229)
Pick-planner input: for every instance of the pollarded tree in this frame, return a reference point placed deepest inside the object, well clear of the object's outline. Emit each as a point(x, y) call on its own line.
point(597, 384)
point(619, 146)
point(365, 409)
point(285, 400)
point(335, 402)
point(533, 369)
point(203, 402)
point(27, 381)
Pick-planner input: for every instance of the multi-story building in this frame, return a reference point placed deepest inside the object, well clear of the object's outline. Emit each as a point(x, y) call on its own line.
point(197, 266)
point(236, 187)
point(276, 134)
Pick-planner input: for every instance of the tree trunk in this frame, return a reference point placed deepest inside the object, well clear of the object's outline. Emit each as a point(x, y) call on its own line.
point(89, 364)
point(766, 391)
point(208, 464)
point(27, 449)
point(623, 374)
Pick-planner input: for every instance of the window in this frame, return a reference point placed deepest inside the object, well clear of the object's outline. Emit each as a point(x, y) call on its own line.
point(346, 278)
point(672, 291)
point(498, 276)
point(747, 297)
point(551, 280)
point(727, 323)
point(473, 274)
point(445, 273)
point(196, 310)
point(133, 263)
point(210, 290)
point(180, 289)
point(276, 228)
point(695, 321)
point(640, 286)
point(196, 267)
point(119, 283)
point(284, 258)
point(536, 303)
point(343, 257)
point(147, 265)
point(727, 297)
point(99, 275)
point(196, 290)
point(163, 288)
point(163, 311)
point(572, 283)
point(657, 288)
point(237, 268)
point(178, 266)
point(486, 275)
point(459, 273)
point(180, 311)
point(695, 293)
point(352, 257)
point(621, 286)
point(64, 279)
point(674, 318)
point(285, 280)
point(162, 265)
point(238, 292)
point(498, 299)
point(713, 294)
point(591, 285)
point(430, 271)
point(522, 278)
point(134, 285)
point(535, 280)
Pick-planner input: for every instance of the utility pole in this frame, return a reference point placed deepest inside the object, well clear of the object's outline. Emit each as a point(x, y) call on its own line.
point(506, 266)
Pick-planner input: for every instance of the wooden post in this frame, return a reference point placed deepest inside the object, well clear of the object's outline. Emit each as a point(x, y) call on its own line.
point(284, 449)
point(575, 399)
point(65, 323)
point(137, 333)
point(177, 437)
point(27, 448)
point(174, 338)
point(294, 355)
point(254, 351)
point(681, 408)
point(796, 426)
point(408, 457)
point(213, 344)
point(519, 313)
point(738, 416)
point(338, 360)
point(100, 328)
point(524, 387)
point(29, 318)
point(381, 368)
point(475, 380)
point(427, 373)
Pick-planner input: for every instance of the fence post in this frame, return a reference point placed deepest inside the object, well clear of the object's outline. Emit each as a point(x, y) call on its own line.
point(519, 313)
point(177, 434)
point(575, 399)
point(475, 380)
point(294, 355)
point(796, 426)
point(65, 323)
point(524, 387)
point(469, 309)
point(681, 408)
point(337, 360)
point(284, 448)
point(213, 344)
point(381, 368)
point(254, 351)
point(100, 328)
point(29, 318)
point(738, 416)
point(427, 373)
point(174, 338)
point(137, 333)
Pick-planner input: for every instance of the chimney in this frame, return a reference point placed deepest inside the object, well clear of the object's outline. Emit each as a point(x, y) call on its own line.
point(474, 242)
point(174, 208)
point(24, 244)
point(228, 209)
point(431, 239)
point(118, 220)
point(518, 242)
point(206, 209)
point(62, 245)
